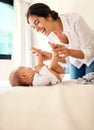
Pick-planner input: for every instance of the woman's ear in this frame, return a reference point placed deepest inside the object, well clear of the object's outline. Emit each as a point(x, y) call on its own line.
point(49, 17)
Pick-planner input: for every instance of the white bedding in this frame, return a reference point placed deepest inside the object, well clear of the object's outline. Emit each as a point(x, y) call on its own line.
point(66, 106)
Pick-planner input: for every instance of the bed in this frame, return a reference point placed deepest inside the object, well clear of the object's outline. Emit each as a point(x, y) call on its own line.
point(65, 106)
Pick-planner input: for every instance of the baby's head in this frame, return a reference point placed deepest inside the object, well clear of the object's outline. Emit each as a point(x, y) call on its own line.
point(21, 76)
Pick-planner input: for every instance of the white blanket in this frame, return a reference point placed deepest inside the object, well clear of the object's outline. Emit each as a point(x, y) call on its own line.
point(66, 106)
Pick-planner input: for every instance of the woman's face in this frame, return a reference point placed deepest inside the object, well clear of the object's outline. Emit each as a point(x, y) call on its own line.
point(41, 24)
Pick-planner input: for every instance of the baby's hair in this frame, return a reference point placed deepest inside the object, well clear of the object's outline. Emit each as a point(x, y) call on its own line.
point(15, 79)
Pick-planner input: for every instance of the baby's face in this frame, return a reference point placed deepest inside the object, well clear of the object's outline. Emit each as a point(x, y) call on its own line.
point(28, 72)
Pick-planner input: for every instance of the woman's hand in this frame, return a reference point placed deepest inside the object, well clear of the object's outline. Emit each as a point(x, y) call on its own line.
point(61, 49)
point(64, 51)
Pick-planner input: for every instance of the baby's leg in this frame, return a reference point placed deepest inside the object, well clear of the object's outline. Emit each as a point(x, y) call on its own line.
point(35, 51)
point(54, 63)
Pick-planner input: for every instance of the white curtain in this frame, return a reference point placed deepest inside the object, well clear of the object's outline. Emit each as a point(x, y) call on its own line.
point(22, 35)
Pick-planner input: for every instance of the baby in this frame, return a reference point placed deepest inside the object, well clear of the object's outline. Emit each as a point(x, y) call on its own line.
point(41, 75)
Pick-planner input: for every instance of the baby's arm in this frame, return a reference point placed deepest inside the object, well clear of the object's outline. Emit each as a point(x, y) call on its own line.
point(54, 61)
point(54, 65)
point(39, 58)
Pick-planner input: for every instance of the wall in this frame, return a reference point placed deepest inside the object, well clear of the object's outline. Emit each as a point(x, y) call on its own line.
point(5, 68)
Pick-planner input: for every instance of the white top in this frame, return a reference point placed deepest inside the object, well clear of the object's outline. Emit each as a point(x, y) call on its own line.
point(80, 36)
point(45, 77)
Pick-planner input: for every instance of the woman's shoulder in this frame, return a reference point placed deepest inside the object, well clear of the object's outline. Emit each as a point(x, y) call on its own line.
point(70, 14)
point(71, 17)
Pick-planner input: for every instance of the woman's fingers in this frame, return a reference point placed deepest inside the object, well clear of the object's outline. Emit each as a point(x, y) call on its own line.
point(60, 49)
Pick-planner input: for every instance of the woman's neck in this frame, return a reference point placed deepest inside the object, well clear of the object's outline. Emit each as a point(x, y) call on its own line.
point(58, 25)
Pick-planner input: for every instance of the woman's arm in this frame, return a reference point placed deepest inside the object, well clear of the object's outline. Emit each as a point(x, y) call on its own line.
point(75, 53)
point(61, 49)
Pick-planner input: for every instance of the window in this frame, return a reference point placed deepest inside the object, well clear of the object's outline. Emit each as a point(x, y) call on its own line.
point(6, 29)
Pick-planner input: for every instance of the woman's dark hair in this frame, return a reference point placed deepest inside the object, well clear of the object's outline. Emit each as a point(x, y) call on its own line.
point(41, 10)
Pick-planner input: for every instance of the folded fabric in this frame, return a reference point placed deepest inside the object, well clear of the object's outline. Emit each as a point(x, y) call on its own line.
point(87, 79)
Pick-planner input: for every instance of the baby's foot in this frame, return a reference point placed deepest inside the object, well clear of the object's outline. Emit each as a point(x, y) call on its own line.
point(35, 51)
point(52, 45)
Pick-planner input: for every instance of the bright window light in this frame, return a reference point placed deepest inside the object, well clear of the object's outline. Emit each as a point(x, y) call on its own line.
point(6, 28)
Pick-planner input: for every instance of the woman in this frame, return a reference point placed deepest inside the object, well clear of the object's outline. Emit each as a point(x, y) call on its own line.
point(71, 30)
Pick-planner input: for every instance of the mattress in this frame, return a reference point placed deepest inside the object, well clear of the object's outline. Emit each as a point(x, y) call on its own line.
point(65, 106)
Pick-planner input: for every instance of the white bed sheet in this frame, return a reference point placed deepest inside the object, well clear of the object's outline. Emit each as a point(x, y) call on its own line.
point(66, 106)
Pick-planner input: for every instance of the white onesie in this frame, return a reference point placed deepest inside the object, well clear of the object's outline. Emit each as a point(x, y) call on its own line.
point(45, 77)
